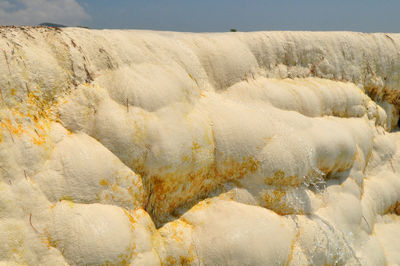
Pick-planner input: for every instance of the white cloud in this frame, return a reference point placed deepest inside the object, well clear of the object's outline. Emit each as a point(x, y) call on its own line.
point(33, 12)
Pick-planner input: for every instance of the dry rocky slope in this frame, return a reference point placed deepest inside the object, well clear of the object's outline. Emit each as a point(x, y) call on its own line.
point(163, 148)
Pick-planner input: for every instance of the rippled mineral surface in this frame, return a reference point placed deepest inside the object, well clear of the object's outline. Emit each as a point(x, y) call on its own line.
point(163, 148)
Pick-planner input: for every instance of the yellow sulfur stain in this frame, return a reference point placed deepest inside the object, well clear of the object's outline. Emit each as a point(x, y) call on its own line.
point(195, 147)
point(45, 240)
point(132, 220)
point(292, 246)
point(394, 208)
point(279, 179)
point(170, 260)
point(170, 190)
point(275, 201)
point(104, 182)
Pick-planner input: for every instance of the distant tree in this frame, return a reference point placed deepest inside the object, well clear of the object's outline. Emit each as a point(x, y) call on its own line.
point(54, 25)
point(47, 24)
point(233, 30)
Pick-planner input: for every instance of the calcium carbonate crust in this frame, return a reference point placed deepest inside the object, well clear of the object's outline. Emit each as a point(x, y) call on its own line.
point(163, 148)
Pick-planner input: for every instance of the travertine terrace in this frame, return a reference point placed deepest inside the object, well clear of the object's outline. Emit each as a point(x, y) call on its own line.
point(163, 148)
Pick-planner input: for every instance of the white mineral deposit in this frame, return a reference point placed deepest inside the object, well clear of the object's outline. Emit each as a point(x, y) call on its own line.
point(161, 148)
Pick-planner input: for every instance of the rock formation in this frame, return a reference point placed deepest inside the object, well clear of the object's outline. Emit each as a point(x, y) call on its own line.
point(164, 148)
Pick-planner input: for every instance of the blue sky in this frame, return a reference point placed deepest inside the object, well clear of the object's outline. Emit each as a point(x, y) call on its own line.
point(246, 15)
point(209, 15)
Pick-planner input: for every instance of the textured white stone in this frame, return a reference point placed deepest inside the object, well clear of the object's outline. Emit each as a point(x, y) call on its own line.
point(151, 148)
